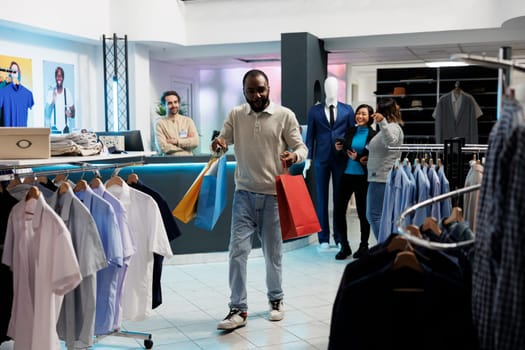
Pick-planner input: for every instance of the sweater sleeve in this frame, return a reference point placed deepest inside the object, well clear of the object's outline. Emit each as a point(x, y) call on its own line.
point(294, 139)
point(392, 134)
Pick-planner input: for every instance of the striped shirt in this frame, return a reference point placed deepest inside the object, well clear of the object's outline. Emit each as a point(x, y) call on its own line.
point(498, 290)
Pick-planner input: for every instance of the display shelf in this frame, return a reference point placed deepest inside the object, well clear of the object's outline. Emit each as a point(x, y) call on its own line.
point(12, 168)
point(425, 86)
point(109, 158)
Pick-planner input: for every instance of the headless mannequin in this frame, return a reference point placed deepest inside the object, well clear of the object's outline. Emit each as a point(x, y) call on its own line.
point(330, 90)
point(327, 122)
point(457, 89)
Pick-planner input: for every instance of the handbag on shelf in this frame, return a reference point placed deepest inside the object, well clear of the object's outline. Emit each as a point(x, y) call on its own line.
point(296, 210)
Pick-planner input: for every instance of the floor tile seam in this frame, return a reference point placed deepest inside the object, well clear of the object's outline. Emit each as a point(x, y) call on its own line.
point(190, 323)
point(252, 346)
point(314, 346)
point(281, 343)
point(299, 307)
point(266, 345)
point(246, 339)
point(221, 257)
point(169, 322)
point(218, 334)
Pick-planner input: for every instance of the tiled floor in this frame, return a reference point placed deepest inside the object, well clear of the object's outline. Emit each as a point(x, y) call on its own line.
point(195, 298)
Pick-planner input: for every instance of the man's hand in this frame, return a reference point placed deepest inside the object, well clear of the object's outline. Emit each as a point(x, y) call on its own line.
point(288, 157)
point(219, 144)
point(173, 141)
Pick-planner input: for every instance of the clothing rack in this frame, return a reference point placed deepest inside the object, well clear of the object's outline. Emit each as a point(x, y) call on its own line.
point(83, 167)
point(453, 160)
point(434, 147)
point(430, 244)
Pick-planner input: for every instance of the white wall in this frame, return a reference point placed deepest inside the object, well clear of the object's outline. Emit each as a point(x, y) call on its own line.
point(139, 94)
point(86, 58)
point(202, 22)
point(152, 20)
point(87, 20)
point(213, 22)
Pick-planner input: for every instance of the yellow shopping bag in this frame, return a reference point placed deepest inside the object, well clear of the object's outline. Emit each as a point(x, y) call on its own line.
point(186, 210)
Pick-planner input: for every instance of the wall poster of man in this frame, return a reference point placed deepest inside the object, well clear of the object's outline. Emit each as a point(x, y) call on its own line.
point(59, 97)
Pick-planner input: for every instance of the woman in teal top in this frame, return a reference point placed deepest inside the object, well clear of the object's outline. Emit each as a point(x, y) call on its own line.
point(354, 179)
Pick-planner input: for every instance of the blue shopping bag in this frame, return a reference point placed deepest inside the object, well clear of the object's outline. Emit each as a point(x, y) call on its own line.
point(212, 195)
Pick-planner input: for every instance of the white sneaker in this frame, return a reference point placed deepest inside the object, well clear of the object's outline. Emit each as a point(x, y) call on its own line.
point(235, 319)
point(276, 310)
point(324, 246)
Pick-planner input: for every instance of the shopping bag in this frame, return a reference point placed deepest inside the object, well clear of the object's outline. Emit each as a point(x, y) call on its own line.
point(296, 210)
point(186, 210)
point(212, 196)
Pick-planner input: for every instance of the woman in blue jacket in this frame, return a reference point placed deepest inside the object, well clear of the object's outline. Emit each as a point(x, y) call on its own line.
point(354, 147)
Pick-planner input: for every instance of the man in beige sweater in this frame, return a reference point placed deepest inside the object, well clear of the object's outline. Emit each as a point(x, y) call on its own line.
point(265, 135)
point(176, 135)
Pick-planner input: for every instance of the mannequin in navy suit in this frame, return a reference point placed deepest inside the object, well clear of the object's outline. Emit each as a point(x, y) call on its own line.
point(320, 140)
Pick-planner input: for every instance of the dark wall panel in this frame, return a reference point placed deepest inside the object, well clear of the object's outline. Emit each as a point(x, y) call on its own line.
point(304, 69)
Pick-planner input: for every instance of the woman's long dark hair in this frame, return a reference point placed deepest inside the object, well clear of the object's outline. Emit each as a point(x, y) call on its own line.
point(389, 108)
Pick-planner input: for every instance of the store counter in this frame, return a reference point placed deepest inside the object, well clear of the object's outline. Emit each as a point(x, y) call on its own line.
point(172, 177)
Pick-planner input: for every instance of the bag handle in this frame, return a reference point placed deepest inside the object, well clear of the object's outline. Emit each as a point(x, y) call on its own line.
point(286, 169)
point(219, 152)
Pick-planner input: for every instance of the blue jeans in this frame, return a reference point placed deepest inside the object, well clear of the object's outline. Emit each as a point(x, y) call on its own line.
point(254, 213)
point(374, 205)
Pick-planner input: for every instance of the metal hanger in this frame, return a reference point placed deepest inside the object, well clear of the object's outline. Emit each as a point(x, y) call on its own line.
point(430, 244)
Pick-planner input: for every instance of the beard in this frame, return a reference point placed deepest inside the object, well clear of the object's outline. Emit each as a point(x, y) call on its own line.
point(259, 105)
point(174, 111)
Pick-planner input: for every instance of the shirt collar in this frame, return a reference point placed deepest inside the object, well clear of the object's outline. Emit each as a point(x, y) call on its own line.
point(329, 103)
point(270, 109)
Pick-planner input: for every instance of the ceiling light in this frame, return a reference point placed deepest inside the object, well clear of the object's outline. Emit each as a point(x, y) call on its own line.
point(436, 64)
point(258, 60)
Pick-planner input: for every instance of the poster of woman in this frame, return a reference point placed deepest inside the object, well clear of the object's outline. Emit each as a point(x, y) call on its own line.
point(59, 95)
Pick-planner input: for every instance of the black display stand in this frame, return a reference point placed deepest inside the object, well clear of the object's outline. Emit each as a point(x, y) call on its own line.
point(454, 165)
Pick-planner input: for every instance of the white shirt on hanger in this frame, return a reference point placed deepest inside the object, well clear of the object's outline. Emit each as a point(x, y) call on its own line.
point(150, 237)
point(43, 271)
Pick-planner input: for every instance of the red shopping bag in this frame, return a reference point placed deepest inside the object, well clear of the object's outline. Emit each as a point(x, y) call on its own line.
point(296, 210)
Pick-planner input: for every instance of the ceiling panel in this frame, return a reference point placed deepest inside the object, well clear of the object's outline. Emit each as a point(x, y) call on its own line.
point(382, 49)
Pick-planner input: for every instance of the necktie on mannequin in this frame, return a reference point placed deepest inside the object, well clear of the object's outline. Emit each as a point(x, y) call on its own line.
point(332, 117)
